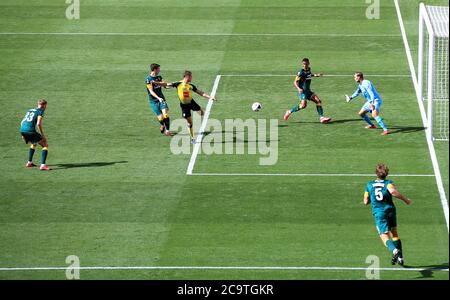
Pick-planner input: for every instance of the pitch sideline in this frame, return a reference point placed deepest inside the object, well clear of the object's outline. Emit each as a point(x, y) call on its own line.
point(224, 268)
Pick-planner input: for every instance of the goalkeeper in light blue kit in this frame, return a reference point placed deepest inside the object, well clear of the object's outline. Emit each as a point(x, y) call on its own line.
point(372, 105)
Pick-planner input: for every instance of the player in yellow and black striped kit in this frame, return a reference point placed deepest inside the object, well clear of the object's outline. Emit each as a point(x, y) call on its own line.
point(185, 89)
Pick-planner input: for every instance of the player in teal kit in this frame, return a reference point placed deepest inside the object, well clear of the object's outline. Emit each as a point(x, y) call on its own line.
point(302, 83)
point(33, 118)
point(379, 193)
point(373, 103)
point(156, 98)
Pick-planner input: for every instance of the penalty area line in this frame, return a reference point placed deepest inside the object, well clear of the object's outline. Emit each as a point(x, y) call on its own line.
point(298, 268)
point(199, 138)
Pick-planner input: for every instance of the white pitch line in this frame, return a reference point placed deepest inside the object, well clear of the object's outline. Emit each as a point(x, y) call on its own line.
point(429, 139)
point(308, 174)
point(325, 75)
point(198, 34)
point(225, 268)
point(407, 49)
point(198, 141)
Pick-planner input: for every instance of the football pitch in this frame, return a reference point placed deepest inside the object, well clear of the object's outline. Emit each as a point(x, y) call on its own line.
point(128, 207)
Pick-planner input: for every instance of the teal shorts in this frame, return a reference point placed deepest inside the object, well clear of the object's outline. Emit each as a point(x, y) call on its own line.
point(31, 137)
point(385, 220)
point(157, 106)
point(305, 95)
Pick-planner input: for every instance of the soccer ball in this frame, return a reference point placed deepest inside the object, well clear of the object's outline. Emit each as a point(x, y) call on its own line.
point(256, 106)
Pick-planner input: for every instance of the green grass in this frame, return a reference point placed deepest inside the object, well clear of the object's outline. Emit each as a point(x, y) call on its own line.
point(117, 195)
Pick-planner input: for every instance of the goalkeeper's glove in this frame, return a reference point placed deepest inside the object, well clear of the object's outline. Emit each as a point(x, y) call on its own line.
point(348, 98)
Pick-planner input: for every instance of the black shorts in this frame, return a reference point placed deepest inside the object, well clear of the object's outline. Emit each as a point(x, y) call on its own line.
point(186, 108)
point(31, 137)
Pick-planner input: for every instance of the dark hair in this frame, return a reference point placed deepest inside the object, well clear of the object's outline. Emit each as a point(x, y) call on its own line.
point(187, 73)
point(305, 60)
point(42, 102)
point(153, 67)
point(359, 74)
point(382, 171)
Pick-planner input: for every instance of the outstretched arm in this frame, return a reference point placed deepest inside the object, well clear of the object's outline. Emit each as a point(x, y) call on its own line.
point(203, 94)
point(163, 83)
point(397, 194)
point(354, 95)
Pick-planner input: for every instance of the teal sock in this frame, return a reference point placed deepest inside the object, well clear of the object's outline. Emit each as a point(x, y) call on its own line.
point(390, 245)
point(30, 154)
point(380, 122)
point(367, 119)
point(295, 109)
point(44, 155)
point(398, 244)
point(319, 110)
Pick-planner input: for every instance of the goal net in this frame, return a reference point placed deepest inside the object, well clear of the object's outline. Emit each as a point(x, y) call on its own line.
point(433, 68)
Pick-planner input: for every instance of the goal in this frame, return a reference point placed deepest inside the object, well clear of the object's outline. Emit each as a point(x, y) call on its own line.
point(433, 69)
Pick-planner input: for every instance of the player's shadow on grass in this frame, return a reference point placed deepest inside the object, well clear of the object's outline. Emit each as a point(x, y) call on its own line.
point(393, 129)
point(235, 140)
point(405, 129)
point(428, 271)
point(245, 141)
point(86, 165)
point(333, 121)
point(206, 133)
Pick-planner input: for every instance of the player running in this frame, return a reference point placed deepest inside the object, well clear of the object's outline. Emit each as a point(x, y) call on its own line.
point(187, 103)
point(379, 192)
point(302, 83)
point(157, 100)
point(372, 105)
point(33, 118)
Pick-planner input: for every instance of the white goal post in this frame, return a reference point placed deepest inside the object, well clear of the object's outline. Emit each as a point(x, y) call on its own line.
point(433, 69)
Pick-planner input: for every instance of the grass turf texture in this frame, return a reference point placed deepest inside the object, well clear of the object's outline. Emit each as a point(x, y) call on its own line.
point(118, 197)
